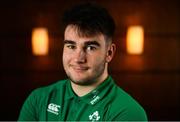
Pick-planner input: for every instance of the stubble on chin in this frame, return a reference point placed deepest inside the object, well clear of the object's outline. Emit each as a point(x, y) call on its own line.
point(89, 80)
point(84, 82)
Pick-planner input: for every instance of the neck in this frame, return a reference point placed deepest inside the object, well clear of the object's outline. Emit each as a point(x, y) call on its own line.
point(83, 90)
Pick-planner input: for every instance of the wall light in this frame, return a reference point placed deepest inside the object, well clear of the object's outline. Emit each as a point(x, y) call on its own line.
point(40, 42)
point(135, 40)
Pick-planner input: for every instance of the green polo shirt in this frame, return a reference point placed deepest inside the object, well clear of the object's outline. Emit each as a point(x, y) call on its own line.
point(58, 102)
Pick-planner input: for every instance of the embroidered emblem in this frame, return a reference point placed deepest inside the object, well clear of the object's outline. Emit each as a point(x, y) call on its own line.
point(53, 108)
point(94, 117)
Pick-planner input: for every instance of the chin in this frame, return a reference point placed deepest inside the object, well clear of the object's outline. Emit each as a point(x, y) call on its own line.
point(81, 81)
point(78, 79)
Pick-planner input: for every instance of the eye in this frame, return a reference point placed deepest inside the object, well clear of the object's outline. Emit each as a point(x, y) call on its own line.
point(91, 48)
point(71, 46)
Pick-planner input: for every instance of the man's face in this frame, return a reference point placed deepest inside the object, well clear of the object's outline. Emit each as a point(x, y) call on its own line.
point(84, 58)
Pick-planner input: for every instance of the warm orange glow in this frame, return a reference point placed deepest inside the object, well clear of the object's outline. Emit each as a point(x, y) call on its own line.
point(135, 40)
point(40, 41)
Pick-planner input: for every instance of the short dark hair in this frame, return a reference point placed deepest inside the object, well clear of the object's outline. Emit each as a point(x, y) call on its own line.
point(90, 19)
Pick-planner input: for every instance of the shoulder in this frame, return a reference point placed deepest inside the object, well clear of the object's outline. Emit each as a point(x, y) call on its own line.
point(45, 91)
point(125, 107)
point(36, 103)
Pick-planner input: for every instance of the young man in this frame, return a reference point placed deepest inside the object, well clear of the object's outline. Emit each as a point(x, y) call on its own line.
point(89, 93)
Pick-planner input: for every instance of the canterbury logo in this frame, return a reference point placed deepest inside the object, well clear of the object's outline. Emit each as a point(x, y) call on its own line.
point(53, 108)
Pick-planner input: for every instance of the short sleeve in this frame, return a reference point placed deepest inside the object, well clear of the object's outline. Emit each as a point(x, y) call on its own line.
point(28, 110)
point(131, 114)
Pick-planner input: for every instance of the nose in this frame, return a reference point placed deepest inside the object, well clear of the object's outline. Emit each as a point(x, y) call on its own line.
point(80, 56)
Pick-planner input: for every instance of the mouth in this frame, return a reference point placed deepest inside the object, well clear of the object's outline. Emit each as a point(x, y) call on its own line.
point(79, 68)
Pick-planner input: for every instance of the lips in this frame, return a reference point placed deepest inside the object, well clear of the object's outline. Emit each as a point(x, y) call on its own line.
point(79, 68)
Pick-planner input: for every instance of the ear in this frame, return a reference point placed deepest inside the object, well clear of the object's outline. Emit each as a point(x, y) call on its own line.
point(110, 52)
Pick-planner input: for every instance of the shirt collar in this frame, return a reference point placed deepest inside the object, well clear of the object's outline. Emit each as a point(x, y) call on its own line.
point(94, 96)
point(69, 94)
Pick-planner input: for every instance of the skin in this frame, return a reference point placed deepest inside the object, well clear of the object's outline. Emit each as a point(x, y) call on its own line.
point(85, 60)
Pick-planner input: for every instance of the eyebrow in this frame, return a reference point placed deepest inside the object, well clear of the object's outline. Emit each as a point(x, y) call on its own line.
point(69, 42)
point(86, 43)
point(92, 43)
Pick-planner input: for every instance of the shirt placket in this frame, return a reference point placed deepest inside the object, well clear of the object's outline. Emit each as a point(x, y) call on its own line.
point(75, 108)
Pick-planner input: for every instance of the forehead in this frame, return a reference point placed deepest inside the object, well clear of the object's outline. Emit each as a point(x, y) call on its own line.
point(71, 33)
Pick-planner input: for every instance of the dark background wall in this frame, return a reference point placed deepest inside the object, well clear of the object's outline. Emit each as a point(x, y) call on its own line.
point(153, 78)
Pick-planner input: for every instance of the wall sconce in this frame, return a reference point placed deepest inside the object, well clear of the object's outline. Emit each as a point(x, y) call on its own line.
point(40, 44)
point(135, 40)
